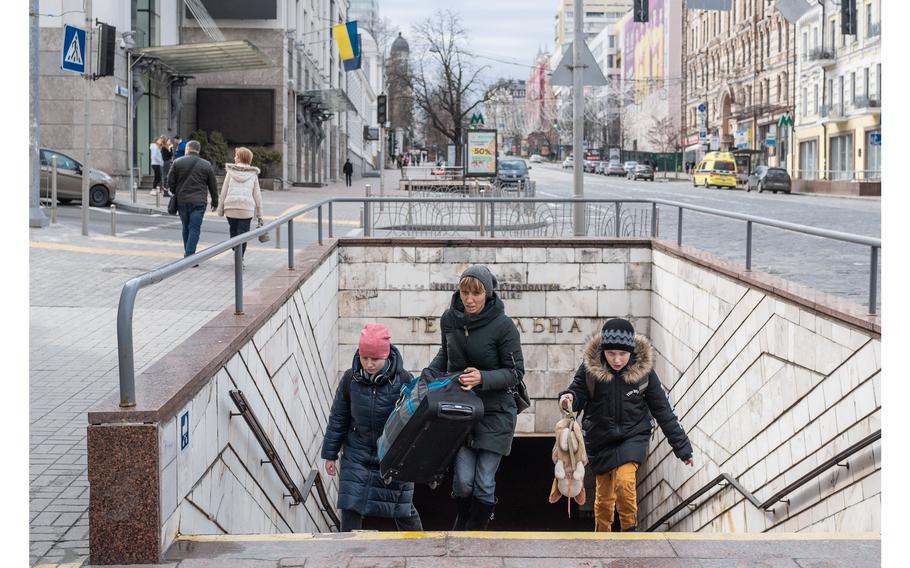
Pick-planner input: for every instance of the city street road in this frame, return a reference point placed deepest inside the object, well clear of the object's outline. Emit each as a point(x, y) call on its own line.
point(830, 266)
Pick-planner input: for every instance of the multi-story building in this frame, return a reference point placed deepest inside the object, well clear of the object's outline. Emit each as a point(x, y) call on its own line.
point(738, 77)
point(649, 69)
point(401, 99)
point(504, 110)
point(194, 69)
point(838, 98)
point(598, 16)
point(364, 11)
point(540, 107)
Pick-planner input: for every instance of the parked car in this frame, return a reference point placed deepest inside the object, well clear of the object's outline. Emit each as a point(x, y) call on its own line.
point(641, 171)
point(535, 159)
point(568, 162)
point(717, 169)
point(511, 173)
point(614, 168)
point(770, 179)
point(101, 190)
point(590, 166)
point(629, 166)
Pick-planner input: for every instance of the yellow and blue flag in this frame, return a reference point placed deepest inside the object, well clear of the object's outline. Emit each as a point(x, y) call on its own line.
point(353, 64)
point(348, 40)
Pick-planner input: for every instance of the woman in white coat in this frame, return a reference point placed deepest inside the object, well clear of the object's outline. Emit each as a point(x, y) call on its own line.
point(240, 199)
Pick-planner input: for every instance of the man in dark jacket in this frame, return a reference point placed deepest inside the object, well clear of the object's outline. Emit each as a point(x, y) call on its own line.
point(190, 177)
point(619, 391)
point(348, 170)
point(482, 342)
point(365, 398)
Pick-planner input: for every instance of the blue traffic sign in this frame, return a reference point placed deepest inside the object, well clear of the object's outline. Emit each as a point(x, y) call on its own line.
point(876, 138)
point(73, 53)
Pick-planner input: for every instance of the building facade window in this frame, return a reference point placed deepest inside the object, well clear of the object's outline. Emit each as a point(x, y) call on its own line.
point(805, 101)
point(841, 151)
point(866, 82)
point(816, 99)
point(808, 160)
point(805, 45)
point(853, 88)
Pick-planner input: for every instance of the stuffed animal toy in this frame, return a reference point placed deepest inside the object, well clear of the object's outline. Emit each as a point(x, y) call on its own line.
point(570, 459)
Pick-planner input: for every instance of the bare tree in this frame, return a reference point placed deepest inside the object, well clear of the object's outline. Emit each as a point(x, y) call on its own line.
point(663, 134)
point(447, 87)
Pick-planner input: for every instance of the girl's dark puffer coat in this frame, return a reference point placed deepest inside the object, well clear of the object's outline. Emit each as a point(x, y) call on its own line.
point(490, 343)
point(617, 421)
point(359, 413)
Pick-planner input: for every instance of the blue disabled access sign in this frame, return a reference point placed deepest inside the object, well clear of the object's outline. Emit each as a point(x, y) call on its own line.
point(73, 52)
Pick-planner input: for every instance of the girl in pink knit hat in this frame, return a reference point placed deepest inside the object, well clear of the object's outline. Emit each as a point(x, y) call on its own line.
point(365, 397)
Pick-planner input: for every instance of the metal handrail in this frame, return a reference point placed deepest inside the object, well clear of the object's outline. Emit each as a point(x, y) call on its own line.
point(131, 288)
point(313, 478)
point(768, 504)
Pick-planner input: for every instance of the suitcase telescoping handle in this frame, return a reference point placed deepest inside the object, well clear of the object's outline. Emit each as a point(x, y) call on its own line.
point(455, 411)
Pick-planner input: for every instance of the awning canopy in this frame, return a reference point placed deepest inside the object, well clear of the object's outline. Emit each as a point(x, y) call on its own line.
point(325, 101)
point(193, 58)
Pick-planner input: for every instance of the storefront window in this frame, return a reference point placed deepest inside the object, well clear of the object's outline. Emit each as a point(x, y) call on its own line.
point(808, 160)
point(841, 152)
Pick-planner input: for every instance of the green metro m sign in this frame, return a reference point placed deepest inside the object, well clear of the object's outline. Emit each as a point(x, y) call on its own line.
point(785, 119)
point(476, 120)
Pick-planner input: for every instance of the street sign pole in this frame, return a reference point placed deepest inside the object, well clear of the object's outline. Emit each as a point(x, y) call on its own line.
point(36, 217)
point(86, 125)
point(578, 169)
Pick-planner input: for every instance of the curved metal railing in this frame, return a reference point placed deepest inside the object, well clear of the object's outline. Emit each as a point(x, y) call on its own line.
point(768, 504)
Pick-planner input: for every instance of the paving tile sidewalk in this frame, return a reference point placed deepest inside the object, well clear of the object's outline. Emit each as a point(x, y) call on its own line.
point(75, 284)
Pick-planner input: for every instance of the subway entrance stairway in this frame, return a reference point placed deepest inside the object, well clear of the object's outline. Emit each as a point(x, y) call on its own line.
point(778, 387)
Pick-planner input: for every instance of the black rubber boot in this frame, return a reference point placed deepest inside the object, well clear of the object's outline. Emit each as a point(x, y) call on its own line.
point(464, 512)
point(481, 514)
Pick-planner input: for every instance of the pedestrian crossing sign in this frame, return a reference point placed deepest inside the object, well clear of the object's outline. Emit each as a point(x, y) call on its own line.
point(73, 52)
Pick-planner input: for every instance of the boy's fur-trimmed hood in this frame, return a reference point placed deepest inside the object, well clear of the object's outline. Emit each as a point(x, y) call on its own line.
point(640, 364)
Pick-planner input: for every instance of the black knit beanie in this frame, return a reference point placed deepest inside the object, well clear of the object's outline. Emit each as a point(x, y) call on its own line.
point(618, 335)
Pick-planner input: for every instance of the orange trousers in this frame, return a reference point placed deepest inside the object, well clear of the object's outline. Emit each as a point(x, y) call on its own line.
point(616, 490)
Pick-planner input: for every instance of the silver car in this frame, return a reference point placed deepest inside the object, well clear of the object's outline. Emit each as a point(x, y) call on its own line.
point(102, 187)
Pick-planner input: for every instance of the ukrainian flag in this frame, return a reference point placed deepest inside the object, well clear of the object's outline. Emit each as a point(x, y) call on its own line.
point(348, 40)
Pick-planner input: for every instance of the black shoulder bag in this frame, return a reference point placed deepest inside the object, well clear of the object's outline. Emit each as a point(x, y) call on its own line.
point(519, 391)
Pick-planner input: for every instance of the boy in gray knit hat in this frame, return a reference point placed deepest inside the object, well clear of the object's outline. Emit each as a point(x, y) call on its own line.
point(619, 391)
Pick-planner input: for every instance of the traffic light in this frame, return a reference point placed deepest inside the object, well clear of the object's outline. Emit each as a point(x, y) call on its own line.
point(106, 50)
point(640, 11)
point(848, 17)
point(381, 110)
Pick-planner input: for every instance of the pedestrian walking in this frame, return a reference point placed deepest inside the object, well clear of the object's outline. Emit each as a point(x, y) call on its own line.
point(619, 391)
point(364, 399)
point(157, 162)
point(180, 147)
point(348, 170)
point(481, 341)
point(240, 197)
point(167, 156)
point(190, 178)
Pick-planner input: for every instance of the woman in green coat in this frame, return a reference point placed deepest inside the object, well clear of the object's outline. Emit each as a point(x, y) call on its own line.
point(482, 342)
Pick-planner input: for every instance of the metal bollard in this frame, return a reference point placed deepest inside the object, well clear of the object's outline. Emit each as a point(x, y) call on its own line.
point(367, 217)
point(157, 199)
point(291, 240)
point(53, 189)
point(238, 280)
point(113, 220)
point(748, 245)
point(483, 215)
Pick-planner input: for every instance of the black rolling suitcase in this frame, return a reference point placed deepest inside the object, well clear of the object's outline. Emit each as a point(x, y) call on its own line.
point(430, 422)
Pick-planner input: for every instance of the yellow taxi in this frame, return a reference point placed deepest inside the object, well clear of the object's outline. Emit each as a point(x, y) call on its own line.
point(716, 169)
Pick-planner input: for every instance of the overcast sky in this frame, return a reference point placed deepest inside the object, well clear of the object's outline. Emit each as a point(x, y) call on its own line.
point(504, 29)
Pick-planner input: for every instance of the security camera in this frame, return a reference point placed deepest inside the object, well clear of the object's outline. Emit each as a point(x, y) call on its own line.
point(127, 40)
